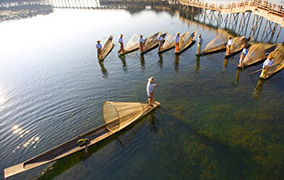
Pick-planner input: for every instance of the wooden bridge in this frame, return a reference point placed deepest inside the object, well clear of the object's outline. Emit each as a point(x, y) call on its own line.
point(228, 14)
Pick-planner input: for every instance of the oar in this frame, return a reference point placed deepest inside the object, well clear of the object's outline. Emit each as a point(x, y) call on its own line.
point(255, 71)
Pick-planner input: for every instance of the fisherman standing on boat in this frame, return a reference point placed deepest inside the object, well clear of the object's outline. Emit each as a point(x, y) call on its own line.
point(151, 87)
point(229, 44)
point(267, 64)
point(243, 55)
point(177, 38)
point(199, 43)
point(99, 48)
point(141, 43)
point(120, 41)
point(161, 42)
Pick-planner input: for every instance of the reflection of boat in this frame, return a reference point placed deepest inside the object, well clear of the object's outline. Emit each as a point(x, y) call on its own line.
point(185, 41)
point(152, 42)
point(278, 58)
point(132, 44)
point(117, 116)
point(103, 69)
point(107, 47)
point(196, 68)
point(257, 53)
point(217, 44)
point(168, 44)
point(237, 44)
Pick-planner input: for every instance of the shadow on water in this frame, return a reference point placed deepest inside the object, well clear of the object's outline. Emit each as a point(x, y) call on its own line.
point(258, 88)
point(123, 62)
point(160, 62)
point(124, 139)
point(103, 69)
point(196, 68)
point(176, 64)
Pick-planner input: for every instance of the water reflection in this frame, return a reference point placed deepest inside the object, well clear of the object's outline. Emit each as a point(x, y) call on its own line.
point(123, 62)
point(237, 76)
point(176, 64)
point(225, 64)
point(103, 69)
point(153, 123)
point(258, 88)
point(142, 61)
point(196, 68)
point(160, 62)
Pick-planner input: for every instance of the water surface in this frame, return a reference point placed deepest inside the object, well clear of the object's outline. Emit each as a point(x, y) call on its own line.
point(214, 122)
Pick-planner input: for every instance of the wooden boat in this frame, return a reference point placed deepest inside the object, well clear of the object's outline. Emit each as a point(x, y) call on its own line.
point(257, 53)
point(237, 45)
point(132, 45)
point(218, 44)
point(107, 47)
point(186, 41)
point(152, 42)
point(117, 116)
point(278, 58)
point(168, 44)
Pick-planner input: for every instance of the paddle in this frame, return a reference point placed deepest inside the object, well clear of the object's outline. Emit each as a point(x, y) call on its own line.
point(255, 71)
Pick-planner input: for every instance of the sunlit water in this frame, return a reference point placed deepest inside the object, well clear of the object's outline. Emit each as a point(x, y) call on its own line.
point(211, 124)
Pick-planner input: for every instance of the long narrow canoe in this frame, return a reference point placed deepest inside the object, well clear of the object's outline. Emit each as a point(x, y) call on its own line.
point(278, 56)
point(107, 47)
point(237, 44)
point(257, 53)
point(117, 116)
point(186, 41)
point(216, 45)
point(168, 44)
point(152, 42)
point(132, 45)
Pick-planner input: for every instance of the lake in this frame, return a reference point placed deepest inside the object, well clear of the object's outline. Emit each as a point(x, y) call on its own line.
point(215, 122)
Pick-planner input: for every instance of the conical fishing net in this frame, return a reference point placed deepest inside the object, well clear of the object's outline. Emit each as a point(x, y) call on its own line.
point(238, 42)
point(169, 42)
point(216, 43)
point(257, 53)
point(152, 41)
point(133, 43)
point(118, 115)
point(187, 39)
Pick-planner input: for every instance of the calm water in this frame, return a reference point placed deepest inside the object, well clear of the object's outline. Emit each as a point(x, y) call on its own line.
point(214, 122)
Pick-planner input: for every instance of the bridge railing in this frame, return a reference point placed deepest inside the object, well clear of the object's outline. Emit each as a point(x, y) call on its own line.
point(275, 9)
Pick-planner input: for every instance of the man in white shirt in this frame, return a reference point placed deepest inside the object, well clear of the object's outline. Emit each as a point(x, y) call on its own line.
point(150, 89)
point(99, 48)
point(229, 44)
point(267, 64)
point(141, 43)
point(177, 38)
point(120, 41)
point(243, 55)
point(199, 43)
point(161, 41)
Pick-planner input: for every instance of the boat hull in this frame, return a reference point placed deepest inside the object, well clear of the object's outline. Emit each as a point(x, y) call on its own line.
point(70, 147)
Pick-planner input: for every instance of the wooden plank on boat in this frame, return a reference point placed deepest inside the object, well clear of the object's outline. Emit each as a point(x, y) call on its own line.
point(67, 148)
point(107, 47)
